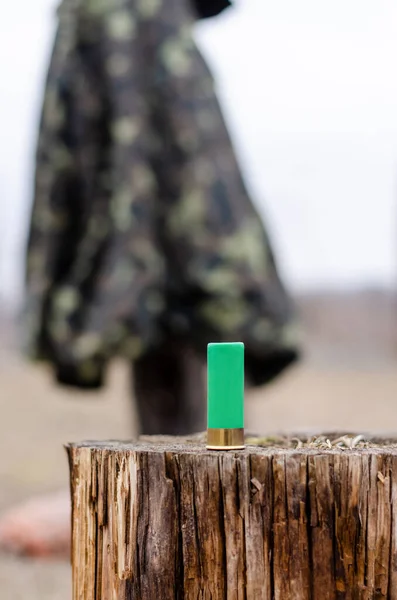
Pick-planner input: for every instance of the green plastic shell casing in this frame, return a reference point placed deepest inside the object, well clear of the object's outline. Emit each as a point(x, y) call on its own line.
point(226, 385)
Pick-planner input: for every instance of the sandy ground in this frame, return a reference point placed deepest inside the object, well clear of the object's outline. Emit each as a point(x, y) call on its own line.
point(337, 390)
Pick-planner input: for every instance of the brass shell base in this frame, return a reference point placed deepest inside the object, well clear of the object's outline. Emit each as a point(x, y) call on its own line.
point(225, 439)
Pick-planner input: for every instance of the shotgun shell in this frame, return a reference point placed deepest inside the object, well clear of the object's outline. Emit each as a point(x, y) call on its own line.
point(225, 398)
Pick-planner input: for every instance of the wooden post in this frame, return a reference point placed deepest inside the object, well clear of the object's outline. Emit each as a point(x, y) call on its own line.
point(168, 519)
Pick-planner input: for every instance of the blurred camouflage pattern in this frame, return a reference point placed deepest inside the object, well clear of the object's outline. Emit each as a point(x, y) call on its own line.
point(141, 226)
point(210, 8)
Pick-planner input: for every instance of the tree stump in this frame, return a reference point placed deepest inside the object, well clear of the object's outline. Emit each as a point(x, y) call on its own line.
point(165, 519)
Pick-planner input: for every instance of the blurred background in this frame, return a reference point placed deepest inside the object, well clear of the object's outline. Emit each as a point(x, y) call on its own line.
point(310, 93)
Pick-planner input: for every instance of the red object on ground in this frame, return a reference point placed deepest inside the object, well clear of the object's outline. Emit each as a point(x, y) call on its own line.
point(41, 527)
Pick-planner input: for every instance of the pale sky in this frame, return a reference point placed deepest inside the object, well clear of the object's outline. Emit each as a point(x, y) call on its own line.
point(310, 93)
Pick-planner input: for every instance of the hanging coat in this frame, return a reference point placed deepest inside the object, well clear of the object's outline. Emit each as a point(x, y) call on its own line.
point(142, 228)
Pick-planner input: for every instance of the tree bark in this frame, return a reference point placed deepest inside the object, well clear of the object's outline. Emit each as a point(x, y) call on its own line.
point(167, 519)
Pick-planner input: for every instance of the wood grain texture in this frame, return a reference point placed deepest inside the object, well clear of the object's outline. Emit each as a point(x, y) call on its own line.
point(169, 520)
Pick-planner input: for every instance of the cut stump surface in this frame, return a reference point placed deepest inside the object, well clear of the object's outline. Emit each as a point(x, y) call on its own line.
point(293, 519)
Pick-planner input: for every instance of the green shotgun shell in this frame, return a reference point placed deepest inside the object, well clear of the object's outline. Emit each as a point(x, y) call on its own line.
point(225, 370)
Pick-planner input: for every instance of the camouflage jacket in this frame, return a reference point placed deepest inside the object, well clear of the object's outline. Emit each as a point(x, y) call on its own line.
point(210, 8)
point(141, 225)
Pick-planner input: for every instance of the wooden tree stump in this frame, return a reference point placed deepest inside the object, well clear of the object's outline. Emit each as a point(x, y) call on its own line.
point(166, 519)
